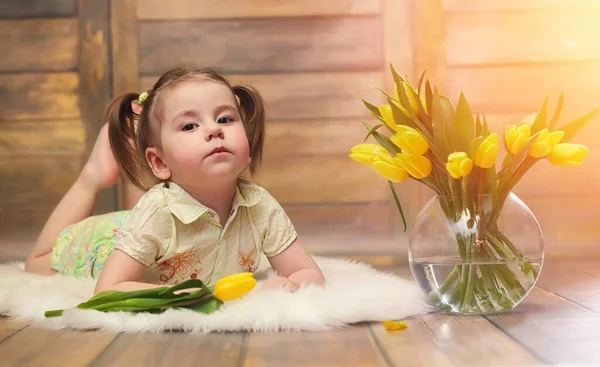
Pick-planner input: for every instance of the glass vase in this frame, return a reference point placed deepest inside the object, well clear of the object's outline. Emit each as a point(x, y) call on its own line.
point(476, 256)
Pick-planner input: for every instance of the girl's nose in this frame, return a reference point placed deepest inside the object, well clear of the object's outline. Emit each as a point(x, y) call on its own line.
point(214, 130)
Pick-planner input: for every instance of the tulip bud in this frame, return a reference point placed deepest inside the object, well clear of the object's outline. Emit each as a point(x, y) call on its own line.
point(389, 168)
point(545, 142)
point(567, 154)
point(410, 140)
point(364, 153)
point(234, 286)
point(515, 137)
point(459, 164)
point(416, 165)
point(485, 155)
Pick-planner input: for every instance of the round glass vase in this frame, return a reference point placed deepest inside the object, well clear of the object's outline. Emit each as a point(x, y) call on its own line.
point(477, 256)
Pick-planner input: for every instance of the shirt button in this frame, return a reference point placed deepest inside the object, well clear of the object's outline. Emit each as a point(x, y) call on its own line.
point(211, 215)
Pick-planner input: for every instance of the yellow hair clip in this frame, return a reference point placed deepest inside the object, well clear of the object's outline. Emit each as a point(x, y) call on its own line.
point(142, 97)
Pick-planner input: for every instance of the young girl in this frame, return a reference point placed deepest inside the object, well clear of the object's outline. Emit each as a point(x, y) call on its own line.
point(196, 134)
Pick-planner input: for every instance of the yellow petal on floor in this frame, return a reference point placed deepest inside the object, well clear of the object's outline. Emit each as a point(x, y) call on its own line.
point(391, 325)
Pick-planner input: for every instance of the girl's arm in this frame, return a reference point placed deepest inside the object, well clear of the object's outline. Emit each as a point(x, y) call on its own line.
point(296, 264)
point(122, 273)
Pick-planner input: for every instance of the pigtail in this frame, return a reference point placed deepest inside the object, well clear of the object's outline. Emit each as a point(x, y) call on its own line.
point(252, 110)
point(122, 136)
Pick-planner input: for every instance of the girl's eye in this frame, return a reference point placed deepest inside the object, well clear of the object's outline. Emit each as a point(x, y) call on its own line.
point(188, 127)
point(224, 120)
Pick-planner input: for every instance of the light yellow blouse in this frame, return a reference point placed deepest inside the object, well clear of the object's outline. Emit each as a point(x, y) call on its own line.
point(178, 238)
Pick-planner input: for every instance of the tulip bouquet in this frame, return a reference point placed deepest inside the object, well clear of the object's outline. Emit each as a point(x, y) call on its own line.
point(422, 136)
point(192, 294)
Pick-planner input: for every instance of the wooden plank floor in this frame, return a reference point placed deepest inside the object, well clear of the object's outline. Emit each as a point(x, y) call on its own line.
point(559, 323)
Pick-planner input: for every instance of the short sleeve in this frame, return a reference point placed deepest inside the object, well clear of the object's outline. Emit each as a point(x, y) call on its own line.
point(278, 228)
point(147, 233)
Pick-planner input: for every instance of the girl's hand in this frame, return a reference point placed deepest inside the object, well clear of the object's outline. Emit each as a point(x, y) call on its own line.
point(279, 282)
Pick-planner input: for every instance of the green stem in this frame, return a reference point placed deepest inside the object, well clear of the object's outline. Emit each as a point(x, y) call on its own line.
point(398, 205)
point(468, 298)
point(448, 282)
point(526, 266)
point(498, 245)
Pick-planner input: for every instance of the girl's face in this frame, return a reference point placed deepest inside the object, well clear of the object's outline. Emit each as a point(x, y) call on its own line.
point(202, 136)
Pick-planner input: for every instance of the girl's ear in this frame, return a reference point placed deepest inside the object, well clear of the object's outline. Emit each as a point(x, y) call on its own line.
point(158, 166)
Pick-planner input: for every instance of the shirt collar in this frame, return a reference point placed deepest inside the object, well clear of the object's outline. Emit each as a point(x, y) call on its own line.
point(187, 209)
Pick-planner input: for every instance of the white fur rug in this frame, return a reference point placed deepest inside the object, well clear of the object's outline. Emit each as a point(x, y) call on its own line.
point(355, 292)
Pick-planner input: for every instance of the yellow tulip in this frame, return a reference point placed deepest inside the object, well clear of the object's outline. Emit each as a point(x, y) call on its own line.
point(234, 286)
point(567, 154)
point(386, 113)
point(389, 168)
point(410, 140)
point(515, 137)
point(545, 142)
point(459, 164)
point(416, 165)
point(364, 153)
point(485, 156)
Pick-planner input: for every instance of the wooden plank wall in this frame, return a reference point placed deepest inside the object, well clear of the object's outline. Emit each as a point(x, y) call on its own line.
point(313, 61)
point(53, 87)
point(41, 132)
point(507, 56)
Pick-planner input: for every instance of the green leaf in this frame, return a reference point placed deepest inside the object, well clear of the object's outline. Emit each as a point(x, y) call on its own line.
point(389, 96)
point(422, 115)
point(383, 140)
point(464, 129)
point(131, 302)
point(428, 97)
point(401, 117)
point(397, 78)
point(374, 109)
point(392, 131)
point(398, 205)
point(188, 284)
point(210, 306)
point(420, 84)
point(540, 120)
point(573, 127)
point(448, 111)
point(189, 303)
point(148, 300)
point(113, 296)
point(486, 129)
point(386, 143)
point(439, 121)
point(371, 130)
point(557, 111)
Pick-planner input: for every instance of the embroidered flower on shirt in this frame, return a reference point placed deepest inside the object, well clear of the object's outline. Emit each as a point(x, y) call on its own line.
point(247, 262)
point(183, 265)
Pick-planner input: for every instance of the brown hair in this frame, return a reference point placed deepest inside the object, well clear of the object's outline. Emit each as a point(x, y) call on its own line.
point(129, 143)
